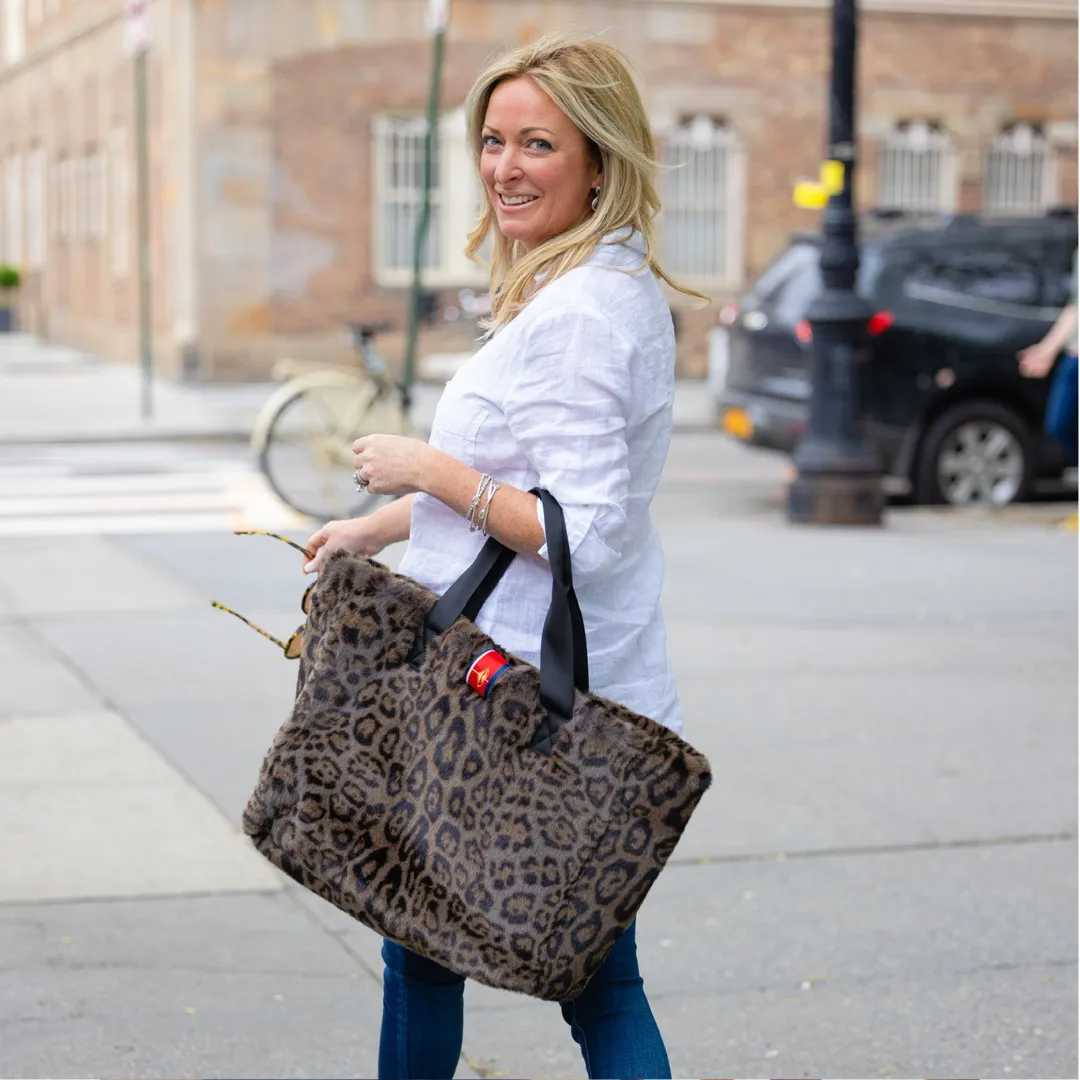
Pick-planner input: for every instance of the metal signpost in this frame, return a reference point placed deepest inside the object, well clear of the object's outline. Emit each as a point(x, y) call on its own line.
point(438, 16)
point(136, 44)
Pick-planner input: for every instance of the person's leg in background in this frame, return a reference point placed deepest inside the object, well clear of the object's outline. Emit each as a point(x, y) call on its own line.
point(1061, 415)
point(1061, 407)
point(612, 1022)
point(423, 1014)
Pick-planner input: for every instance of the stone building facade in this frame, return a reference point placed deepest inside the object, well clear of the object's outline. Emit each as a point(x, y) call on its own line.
point(284, 137)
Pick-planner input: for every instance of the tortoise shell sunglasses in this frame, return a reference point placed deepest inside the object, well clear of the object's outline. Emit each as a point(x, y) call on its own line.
point(294, 646)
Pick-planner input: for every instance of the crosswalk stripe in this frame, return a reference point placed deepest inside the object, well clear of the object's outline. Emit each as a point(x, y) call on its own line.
point(111, 524)
point(39, 499)
point(132, 484)
point(107, 503)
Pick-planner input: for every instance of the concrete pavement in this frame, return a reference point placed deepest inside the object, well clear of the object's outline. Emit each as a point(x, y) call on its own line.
point(882, 882)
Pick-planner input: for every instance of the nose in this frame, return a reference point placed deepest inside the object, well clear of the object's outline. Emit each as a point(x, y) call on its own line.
point(507, 167)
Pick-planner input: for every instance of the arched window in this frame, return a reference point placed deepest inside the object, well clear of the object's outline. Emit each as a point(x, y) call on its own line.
point(1020, 177)
point(455, 198)
point(917, 169)
point(702, 191)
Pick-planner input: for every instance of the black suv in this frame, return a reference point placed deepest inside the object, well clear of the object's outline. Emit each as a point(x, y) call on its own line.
point(940, 391)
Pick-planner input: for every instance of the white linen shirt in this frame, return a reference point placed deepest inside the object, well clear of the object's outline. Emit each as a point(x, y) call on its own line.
point(573, 395)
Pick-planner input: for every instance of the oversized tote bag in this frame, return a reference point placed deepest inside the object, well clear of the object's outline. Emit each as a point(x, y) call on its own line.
point(490, 816)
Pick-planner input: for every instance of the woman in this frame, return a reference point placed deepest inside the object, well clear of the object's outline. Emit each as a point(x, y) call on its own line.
point(572, 391)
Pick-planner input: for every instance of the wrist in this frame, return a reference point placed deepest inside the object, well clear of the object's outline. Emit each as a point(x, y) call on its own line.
point(390, 524)
point(434, 472)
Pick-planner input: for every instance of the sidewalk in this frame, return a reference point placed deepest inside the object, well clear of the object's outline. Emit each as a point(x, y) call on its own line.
point(881, 882)
point(52, 394)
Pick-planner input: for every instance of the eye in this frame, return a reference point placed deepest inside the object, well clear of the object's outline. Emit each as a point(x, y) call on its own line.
point(489, 140)
point(540, 144)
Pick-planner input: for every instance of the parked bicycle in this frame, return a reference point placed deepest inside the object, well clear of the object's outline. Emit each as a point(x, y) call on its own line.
point(304, 434)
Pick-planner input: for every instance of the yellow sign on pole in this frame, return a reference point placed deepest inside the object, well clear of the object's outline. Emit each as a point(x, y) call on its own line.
point(815, 195)
point(832, 176)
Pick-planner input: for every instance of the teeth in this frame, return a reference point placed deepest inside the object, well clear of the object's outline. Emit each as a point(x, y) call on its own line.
point(517, 200)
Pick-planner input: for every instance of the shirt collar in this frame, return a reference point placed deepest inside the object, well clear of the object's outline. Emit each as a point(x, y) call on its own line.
point(628, 236)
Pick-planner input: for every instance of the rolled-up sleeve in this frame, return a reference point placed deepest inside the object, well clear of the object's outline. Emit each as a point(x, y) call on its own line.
point(567, 408)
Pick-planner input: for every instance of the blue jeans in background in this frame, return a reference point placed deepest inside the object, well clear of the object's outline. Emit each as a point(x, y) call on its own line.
point(1061, 407)
point(423, 1008)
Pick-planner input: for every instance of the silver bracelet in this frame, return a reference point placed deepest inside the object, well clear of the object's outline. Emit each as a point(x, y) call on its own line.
point(492, 488)
point(484, 481)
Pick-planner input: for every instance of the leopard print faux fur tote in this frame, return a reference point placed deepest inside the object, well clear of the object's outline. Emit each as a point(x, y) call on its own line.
point(414, 795)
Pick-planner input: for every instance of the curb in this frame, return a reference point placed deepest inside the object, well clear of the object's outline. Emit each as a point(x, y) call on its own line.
point(129, 437)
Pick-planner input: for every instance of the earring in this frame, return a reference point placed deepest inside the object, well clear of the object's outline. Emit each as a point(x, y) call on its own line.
point(596, 199)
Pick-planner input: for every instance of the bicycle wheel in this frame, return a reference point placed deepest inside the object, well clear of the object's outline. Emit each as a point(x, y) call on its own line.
point(308, 458)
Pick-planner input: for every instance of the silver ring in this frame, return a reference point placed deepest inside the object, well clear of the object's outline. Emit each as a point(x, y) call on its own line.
point(359, 481)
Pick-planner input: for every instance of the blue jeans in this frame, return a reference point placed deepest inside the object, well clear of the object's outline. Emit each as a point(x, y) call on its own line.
point(423, 1007)
point(1061, 407)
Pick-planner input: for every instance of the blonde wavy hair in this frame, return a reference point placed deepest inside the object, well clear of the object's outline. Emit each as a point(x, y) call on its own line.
point(590, 81)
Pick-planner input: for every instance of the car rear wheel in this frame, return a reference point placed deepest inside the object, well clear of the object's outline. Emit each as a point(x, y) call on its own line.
point(978, 453)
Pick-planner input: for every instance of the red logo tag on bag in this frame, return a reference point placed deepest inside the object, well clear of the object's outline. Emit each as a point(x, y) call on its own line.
point(485, 669)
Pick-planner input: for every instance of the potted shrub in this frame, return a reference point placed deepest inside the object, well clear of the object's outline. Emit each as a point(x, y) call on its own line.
point(9, 281)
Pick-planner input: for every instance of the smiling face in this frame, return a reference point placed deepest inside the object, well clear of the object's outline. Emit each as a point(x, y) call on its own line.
point(535, 164)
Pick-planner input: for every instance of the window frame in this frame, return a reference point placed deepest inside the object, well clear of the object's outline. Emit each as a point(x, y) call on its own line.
point(457, 196)
point(119, 187)
point(36, 208)
point(14, 251)
point(701, 132)
point(1010, 142)
point(913, 141)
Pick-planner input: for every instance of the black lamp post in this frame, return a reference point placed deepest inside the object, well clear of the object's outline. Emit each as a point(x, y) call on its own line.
point(839, 477)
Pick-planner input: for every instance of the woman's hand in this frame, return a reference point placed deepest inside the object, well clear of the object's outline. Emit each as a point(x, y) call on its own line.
point(1037, 360)
point(358, 536)
point(392, 464)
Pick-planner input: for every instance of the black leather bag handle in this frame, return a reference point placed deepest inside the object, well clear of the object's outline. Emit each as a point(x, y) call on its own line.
point(470, 592)
point(564, 658)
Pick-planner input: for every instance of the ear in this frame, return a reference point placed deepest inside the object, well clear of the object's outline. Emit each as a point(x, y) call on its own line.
point(596, 160)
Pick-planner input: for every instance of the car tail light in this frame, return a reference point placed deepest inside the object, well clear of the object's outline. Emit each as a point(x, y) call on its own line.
point(803, 333)
point(880, 322)
point(728, 314)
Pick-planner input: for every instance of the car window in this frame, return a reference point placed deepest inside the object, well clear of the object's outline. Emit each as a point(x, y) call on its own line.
point(792, 299)
point(976, 278)
point(791, 284)
point(791, 262)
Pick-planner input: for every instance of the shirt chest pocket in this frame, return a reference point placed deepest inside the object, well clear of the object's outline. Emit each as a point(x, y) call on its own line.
point(457, 428)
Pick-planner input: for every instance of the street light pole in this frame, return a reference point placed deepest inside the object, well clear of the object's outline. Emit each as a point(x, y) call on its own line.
point(839, 475)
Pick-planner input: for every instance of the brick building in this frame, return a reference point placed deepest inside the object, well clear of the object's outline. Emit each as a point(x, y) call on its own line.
point(285, 140)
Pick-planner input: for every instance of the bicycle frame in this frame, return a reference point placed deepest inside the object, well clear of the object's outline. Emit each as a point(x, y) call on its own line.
point(357, 383)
